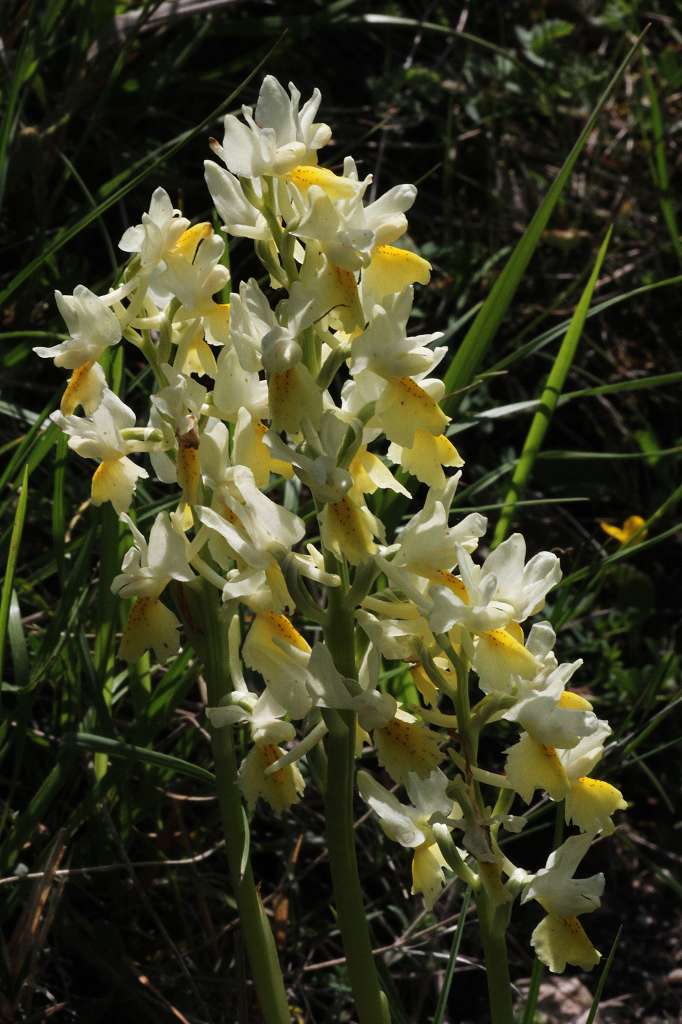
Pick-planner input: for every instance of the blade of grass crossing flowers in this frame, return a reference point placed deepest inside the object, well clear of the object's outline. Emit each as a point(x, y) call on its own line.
point(602, 979)
point(11, 564)
point(471, 352)
point(439, 1015)
point(549, 398)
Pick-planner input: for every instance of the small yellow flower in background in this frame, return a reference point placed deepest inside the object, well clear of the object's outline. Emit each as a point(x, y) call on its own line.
point(624, 534)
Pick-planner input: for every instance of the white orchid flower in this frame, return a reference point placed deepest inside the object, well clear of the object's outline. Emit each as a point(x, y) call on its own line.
point(193, 274)
point(427, 546)
point(157, 235)
point(251, 318)
point(559, 938)
point(347, 230)
point(504, 589)
point(109, 436)
point(564, 775)
point(93, 328)
point(410, 824)
point(277, 136)
point(148, 567)
point(275, 649)
point(552, 715)
point(256, 532)
point(180, 403)
point(146, 571)
point(384, 347)
point(264, 716)
point(239, 216)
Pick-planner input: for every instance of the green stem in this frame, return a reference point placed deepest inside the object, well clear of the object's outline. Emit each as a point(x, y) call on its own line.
point(255, 926)
point(493, 910)
point(493, 925)
point(371, 1002)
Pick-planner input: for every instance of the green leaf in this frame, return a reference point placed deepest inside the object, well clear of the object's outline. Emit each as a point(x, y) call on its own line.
point(11, 564)
point(484, 328)
point(128, 752)
point(17, 643)
point(549, 398)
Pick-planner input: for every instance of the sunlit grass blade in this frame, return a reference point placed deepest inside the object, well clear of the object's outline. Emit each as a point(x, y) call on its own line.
point(471, 352)
point(548, 400)
point(442, 1005)
point(11, 565)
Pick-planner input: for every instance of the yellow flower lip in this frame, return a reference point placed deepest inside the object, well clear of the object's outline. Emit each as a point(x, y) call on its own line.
point(279, 625)
point(446, 579)
point(76, 388)
point(304, 176)
point(347, 531)
point(574, 701)
point(188, 242)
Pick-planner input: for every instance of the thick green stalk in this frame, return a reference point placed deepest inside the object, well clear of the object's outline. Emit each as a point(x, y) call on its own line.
point(493, 925)
point(371, 1002)
point(260, 945)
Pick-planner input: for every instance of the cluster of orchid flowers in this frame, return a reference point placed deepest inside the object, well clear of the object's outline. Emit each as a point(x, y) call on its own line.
point(297, 392)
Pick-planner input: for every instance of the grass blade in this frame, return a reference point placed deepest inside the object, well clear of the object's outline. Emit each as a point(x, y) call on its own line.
point(549, 398)
point(471, 352)
point(660, 172)
point(536, 344)
point(439, 1015)
point(533, 992)
point(13, 99)
point(602, 979)
point(116, 748)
